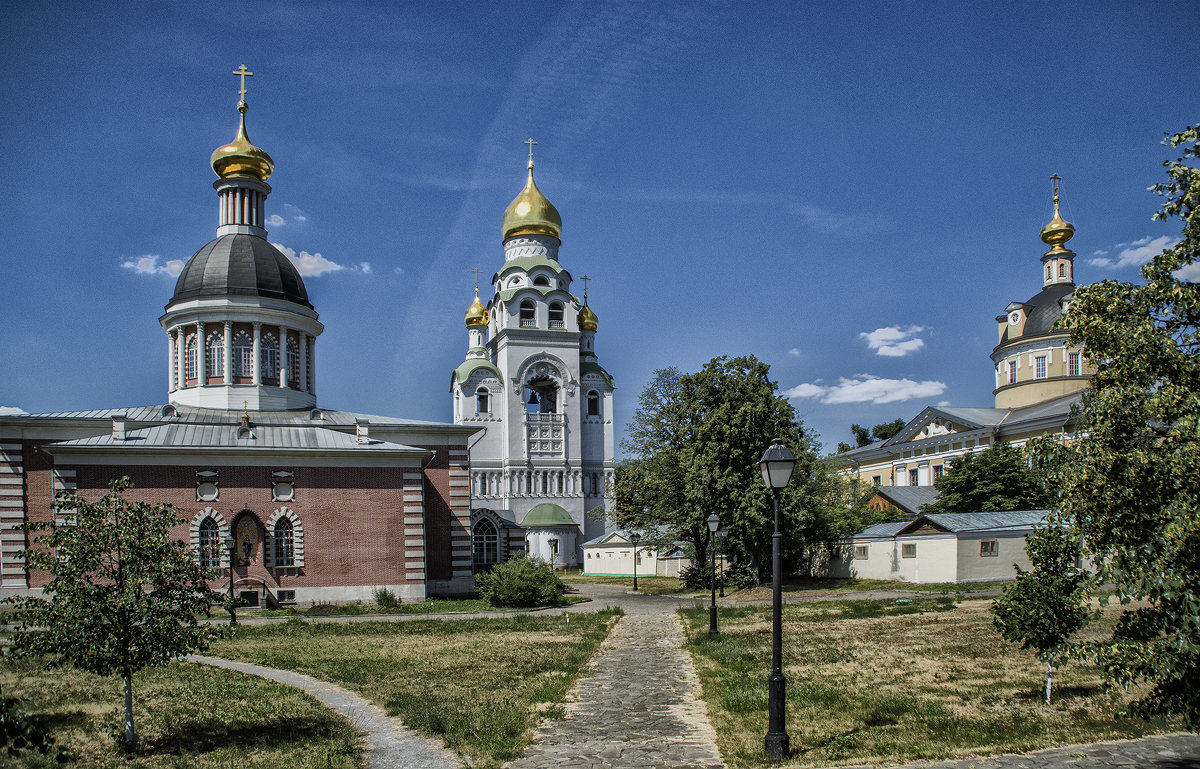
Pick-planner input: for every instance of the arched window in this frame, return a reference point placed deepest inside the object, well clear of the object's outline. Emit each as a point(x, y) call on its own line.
point(556, 315)
point(268, 357)
point(1047, 272)
point(293, 362)
point(189, 358)
point(482, 404)
point(1062, 270)
point(210, 544)
point(541, 280)
point(214, 354)
point(485, 542)
point(243, 349)
point(593, 400)
point(285, 543)
point(528, 313)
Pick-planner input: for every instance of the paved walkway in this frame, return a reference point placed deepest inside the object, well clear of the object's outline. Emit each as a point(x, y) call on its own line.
point(1172, 751)
point(388, 743)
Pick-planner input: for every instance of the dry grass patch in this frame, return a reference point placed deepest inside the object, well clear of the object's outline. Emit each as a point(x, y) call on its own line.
point(187, 717)
point(877, 680)
point(480, 684)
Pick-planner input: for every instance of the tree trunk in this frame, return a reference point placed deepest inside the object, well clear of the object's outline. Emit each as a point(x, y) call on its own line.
point(1049, 673)
point(130, 737)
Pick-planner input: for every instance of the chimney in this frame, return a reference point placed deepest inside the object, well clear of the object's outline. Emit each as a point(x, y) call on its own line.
point(360, 430)
point(118, 427)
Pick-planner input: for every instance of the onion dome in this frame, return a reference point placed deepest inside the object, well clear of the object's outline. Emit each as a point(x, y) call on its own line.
point(477, 314)
point(240, 157)
point(1058, 231)
point(587, 319)
point(531, 213)
point(240, 265)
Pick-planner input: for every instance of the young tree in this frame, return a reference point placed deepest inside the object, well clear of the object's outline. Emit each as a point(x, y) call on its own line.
point(997, 479)
point(1048, 605)
point(123, 596)
point(1128, 480)
point(865, 437)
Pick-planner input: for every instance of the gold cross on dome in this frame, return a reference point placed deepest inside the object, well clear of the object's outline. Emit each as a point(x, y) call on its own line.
point(1056, 179)
point(531, 144)
point(244, 73)
point(476, 271)
point(586, 278)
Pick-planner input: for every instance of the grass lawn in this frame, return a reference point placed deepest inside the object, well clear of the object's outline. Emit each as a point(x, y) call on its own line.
point(477, 684)
point(877, 680)
point(650, 585)
point(431, 606)
point(821, 586)
point(187, 717)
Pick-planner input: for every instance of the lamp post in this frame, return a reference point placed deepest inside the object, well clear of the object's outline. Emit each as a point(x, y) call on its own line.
point(634, 538)
point(722, 533)
point(777, 464)
point(714, 523)
point(229, 542)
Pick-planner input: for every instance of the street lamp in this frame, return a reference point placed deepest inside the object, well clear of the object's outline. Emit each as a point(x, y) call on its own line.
point(777, 464)
point(634, 538)
point(229, 542)
point(714, 523)
point(722, 533)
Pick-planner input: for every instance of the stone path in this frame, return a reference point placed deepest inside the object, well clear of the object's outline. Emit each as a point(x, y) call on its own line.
point(639, 707)
point(388, 743)
point(1172, 751)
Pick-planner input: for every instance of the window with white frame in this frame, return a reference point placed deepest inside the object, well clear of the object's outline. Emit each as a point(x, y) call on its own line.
point(485, 543)
point(876, 480)
point(938, 471)
point(268, 356)
point(214, 354)
point(482, 401)
point(908, 551)
point(914, 477)
point(293, 362)
point(1039, 367)
point(1012, 372)
point(528, 314)
point(989, 548)
point(1073, 367)
point(285, 543)
point(210, 544)
point(862, 552)
point(1062, 269)
point(189, 358)
point(556, 315)
point(243, 350)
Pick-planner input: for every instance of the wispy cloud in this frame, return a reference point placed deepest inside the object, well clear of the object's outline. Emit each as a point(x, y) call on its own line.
point(149, 265)
point(1188, 273)
point(1133, 254)
point(830, 222)
point(9, 411)
point(314, 265)
point(864, 388)
point(291, 215)
point(894, 341)
point(794, 352)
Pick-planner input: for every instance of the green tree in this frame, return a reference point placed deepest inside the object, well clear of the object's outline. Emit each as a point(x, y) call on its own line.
point(865, 437)
point(999, 478)
point(1129, 480)
point(1048, 605)
point(123, 595)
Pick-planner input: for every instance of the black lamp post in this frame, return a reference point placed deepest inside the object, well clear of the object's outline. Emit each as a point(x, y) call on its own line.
point(722, 533)
point(229, 542)
point(777, 464)
point(714, 523)
point(634, 538)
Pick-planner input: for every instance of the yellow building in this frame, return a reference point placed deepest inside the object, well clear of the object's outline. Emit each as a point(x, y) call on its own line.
point(1039, 377)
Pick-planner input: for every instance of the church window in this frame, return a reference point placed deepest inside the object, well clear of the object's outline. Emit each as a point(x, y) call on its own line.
point(482, 398)
point(189, 358)
point(285, 544)
point(210, 544)
point(1073, 367)
point(593, 404)
point(913, 477)
point(541, 280)
point(293, 362)
point(268, 358)
point(1039, 367)
point(214, 354)
point(556, 315)
point(243, 349)
point(1012, 372)
point(528, 313)
point(485, 542)
point(1047, 272)
point(1062, 270)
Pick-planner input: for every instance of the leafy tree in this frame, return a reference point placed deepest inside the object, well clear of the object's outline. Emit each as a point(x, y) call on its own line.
point(1047, 605)
point(865, 437)
point(1129, 480)
point(695, 442)
point(885, 430)
point(999, 478)
point(123, 595)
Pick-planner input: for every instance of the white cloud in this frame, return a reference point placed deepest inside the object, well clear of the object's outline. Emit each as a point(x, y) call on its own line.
point(294, 213)
point(275, 220)
point(1189, 273)
point(864, 388)
point(894, 341)
point(794, 352)
point(398, 271)
point(148, 265)
point(1133, 254)
point(315, 265)
point(365, 267)
point(8, 411)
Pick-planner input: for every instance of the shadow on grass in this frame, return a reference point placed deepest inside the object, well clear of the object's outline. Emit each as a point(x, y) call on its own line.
point(195, 736)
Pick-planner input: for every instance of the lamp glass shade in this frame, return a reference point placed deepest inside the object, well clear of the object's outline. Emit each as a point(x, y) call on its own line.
point(714, 523)
point(777, 464)
point(634, 538)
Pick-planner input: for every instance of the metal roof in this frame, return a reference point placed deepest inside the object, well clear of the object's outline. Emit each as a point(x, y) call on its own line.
point(240, 265)
point(207, 436)
point(190, 415)
point(908, 498)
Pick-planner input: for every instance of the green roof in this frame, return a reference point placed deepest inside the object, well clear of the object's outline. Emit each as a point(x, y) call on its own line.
point(527, 263)
point(507, 294)
point(547, 514)
point(589, 367)
point(468, 367)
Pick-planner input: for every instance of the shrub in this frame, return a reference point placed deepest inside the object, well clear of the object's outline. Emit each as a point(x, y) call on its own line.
point(696, 577)
point(741, 576)
point(386, 600)
point(520, 583)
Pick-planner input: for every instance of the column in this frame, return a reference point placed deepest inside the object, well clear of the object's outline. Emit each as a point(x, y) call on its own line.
point(256, 355)
point(227, 352)
point(180, 354)
point(312, 365)
point(303, 340)
point(201, 355)
point(171, 360)
point(283, 357)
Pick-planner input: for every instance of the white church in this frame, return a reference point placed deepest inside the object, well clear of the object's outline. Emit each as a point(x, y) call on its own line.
point(541, 471)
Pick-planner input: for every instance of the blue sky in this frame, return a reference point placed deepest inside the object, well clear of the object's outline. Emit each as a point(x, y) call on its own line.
point(851, 192)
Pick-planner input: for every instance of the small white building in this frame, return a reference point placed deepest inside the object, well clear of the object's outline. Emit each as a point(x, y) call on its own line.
point(949, 547)
point(612, 555)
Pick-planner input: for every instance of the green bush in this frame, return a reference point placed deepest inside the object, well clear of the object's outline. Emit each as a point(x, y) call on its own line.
point(520, 583)
point(386, 600)
point(741, 576)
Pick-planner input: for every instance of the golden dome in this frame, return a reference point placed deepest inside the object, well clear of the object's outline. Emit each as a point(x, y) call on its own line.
point(587, 319)
point(240, 157)
point(1058, 231)
point(477, 314)
point(531, 213)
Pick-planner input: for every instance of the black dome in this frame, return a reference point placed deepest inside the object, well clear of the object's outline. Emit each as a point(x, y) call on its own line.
point(240, 265)
point(1045, 309)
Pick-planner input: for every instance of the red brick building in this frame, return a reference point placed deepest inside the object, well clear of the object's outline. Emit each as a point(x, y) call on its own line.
point(307, 504)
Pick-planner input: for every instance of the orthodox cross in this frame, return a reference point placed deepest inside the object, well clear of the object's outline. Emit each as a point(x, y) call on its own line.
point(476, 271)
point(586, 278)
point(531, 143)
point(244, 73)
point(1056, 179)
